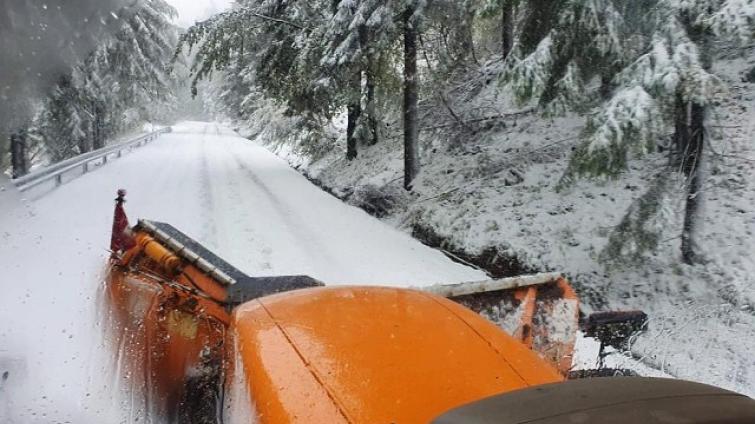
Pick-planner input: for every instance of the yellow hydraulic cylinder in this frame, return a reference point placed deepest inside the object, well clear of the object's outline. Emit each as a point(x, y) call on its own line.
point(155, 251)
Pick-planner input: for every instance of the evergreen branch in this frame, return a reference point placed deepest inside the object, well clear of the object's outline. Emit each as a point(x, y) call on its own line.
point(278, 20)
point(485, 118)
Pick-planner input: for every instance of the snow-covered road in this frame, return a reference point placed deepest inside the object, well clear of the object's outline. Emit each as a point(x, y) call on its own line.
point(229, 193)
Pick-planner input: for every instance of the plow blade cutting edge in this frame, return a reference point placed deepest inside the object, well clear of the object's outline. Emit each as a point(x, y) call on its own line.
point(540, 310)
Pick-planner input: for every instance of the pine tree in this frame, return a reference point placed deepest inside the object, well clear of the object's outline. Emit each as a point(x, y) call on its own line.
point(641, 51)
point(345, 44)
point(361, 28)
point(19, 145)
point(60, 121)
point(653, 60)
point(123, 82)
point(677, 71)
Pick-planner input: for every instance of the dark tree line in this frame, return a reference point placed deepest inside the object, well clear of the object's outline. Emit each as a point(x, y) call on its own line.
point(122, 82)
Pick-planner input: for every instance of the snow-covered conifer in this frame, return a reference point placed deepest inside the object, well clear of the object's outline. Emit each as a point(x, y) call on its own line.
point(122, 83)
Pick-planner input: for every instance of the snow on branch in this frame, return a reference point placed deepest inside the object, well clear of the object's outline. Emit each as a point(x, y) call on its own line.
point(672, 65)
point(529, 76)
point(630, 118)
point(627, 124)
point(601, 18)
point(570, 92)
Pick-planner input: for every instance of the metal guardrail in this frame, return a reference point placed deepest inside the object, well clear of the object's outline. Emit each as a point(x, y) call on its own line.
point(55, 172)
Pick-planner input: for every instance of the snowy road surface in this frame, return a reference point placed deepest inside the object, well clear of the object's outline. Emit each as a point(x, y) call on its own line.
point(231, 194)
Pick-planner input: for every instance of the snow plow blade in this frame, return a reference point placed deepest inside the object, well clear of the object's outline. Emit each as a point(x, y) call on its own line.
point(169, 302)
point(181, 319)
point(540, 310)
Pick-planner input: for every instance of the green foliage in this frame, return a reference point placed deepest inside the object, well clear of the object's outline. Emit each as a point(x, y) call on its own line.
point(626, 62)
point(627, 125)
point(267, 37)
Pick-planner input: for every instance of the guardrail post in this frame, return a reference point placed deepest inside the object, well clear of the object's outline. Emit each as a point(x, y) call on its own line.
point(104, 159)
point(86, 167)
point(58, 180)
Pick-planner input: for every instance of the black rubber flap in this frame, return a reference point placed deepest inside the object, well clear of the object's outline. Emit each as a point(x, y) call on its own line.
point(253, 287)
point(619, 400)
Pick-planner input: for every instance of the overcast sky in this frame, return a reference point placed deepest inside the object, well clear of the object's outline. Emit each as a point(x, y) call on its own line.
point(196, 10)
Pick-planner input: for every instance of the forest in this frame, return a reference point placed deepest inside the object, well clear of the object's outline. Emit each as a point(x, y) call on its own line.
point(640, 72)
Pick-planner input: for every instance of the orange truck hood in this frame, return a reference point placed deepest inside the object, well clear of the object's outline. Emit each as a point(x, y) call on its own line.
point(373, 355)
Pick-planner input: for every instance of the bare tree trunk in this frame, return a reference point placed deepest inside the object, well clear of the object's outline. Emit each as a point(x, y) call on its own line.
point(411, 98)
point(606, 84)
point(84, 145)
point(19, 154)
point(540, 17)
point(507, 28)
point(354, 111)
point(371, 107)
point(690, 140)
point(692, 158)
point(98, 140)
point(466, 36)
point(681, 136)
point(369, 75)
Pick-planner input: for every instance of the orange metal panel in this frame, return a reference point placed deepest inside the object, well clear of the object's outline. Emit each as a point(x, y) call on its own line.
point(525, 329)
point(194, 278)
point(160, 334)
point(530, 366)
point(375, 355)
point(284, 388)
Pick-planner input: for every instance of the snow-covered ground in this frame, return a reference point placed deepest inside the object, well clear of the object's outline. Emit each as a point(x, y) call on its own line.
point(231, 194)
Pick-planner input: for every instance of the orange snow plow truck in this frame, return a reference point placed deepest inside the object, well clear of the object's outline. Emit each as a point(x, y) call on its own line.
point(201, 342)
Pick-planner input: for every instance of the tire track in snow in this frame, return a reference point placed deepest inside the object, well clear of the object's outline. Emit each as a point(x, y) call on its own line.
point(209, 227)
point(315, 249)
point(237, 234)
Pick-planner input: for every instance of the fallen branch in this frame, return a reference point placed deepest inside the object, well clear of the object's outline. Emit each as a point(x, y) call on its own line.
point(440, 94)
point(456, 258)
point(439, 195)
point(728, 155)
point(485, 118)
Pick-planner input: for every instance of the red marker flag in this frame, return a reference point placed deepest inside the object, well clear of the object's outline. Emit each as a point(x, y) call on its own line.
point(121, 239)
